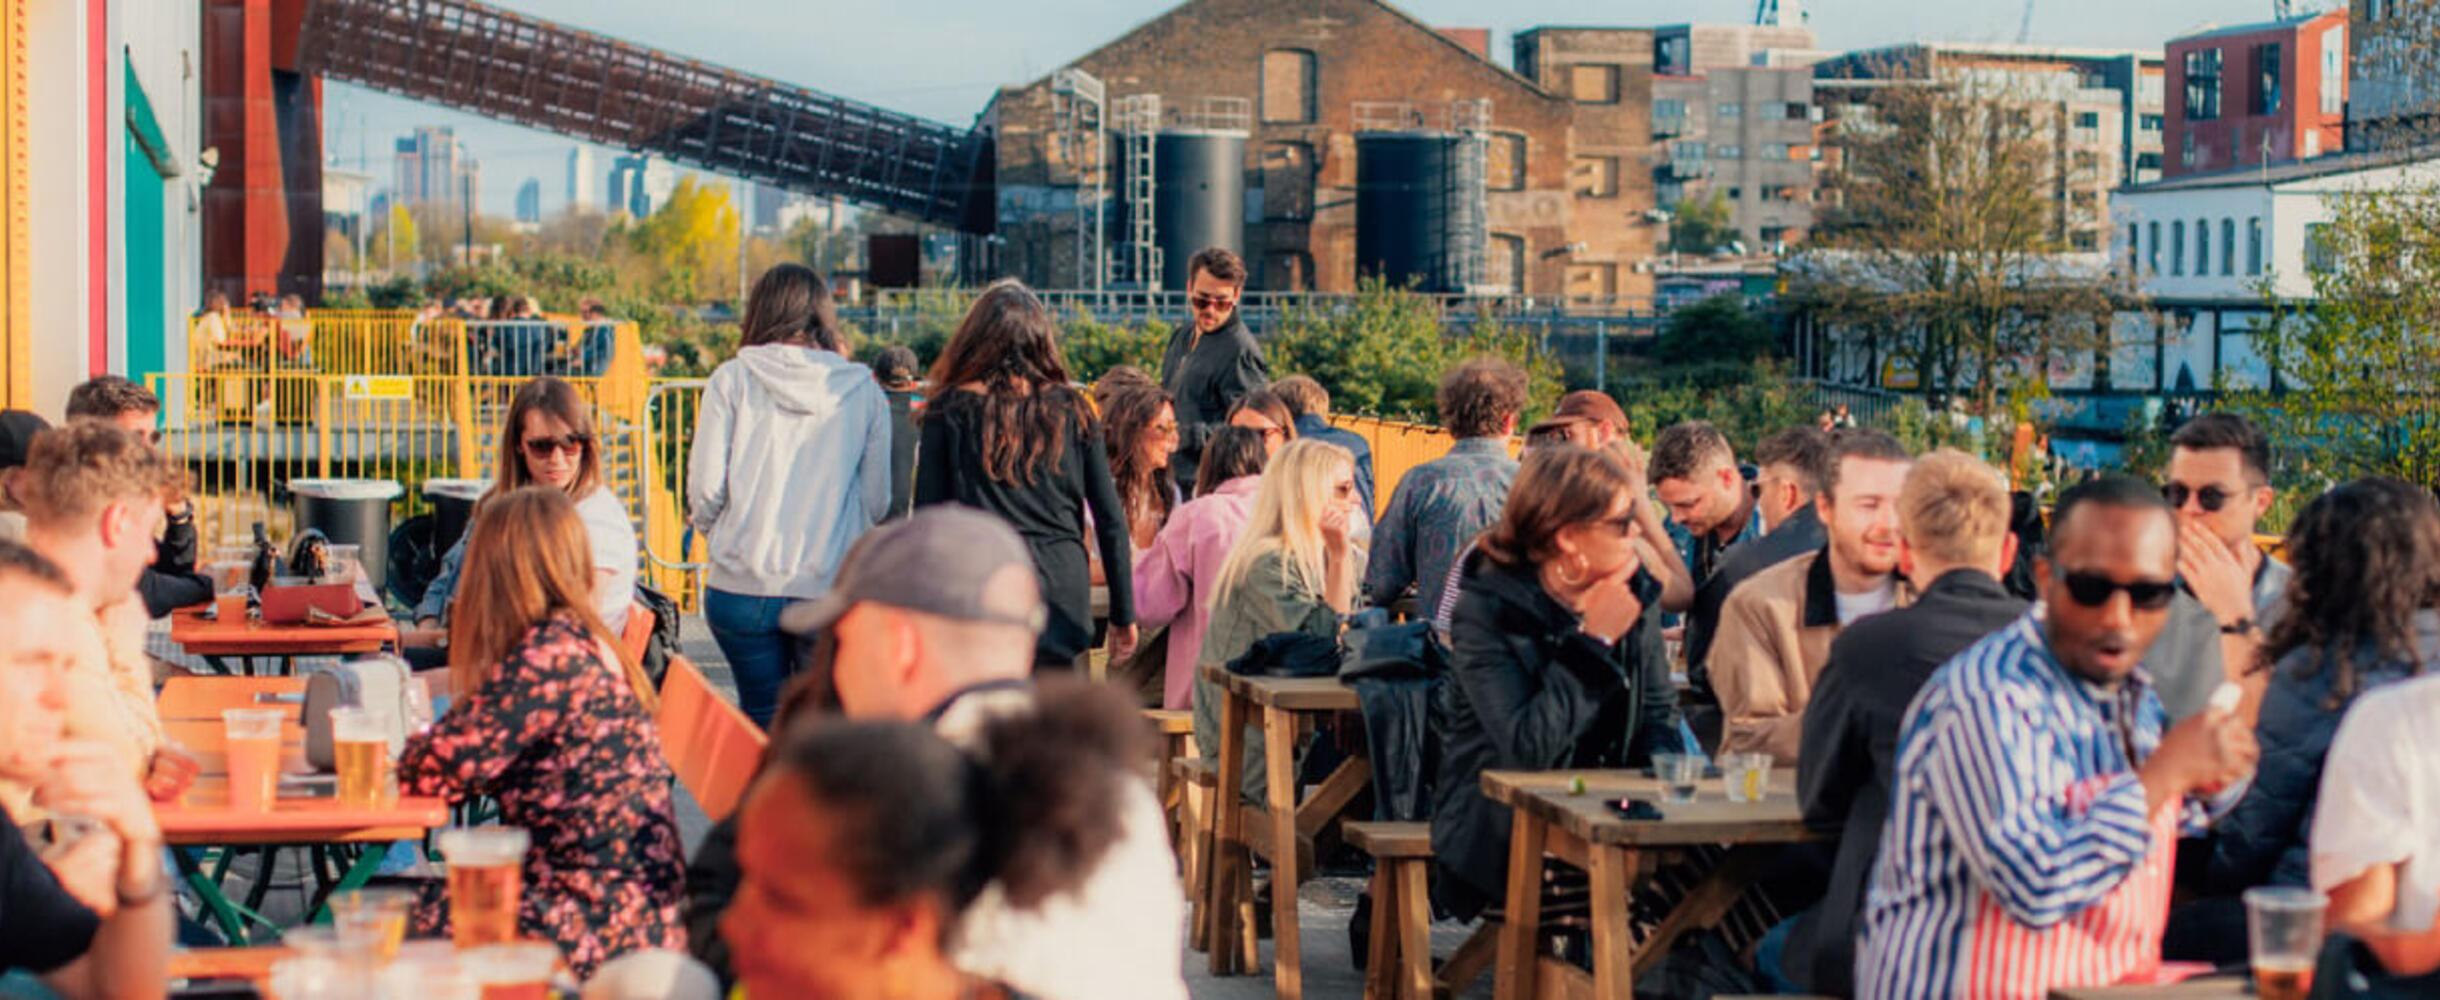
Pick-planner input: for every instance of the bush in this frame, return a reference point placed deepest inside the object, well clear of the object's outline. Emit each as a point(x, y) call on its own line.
point(1747, 402)
point(1384, 354)
point(1718, 329)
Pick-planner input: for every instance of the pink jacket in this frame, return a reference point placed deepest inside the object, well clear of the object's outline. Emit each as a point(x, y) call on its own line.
point(1174, 576)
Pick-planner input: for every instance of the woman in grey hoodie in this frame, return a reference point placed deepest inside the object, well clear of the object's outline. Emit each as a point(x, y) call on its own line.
point(790, 465)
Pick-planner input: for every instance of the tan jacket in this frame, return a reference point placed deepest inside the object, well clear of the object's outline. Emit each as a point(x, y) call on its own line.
point(1774, 635)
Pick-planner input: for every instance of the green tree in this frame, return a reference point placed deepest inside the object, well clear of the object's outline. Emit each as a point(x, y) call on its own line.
point(2356, 364)
point(694, 235)
point(1701, 225)
point(1721, 328)
point(1384, 353)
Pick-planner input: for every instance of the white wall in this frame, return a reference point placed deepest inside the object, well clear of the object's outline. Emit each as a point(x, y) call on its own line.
point(56, 191)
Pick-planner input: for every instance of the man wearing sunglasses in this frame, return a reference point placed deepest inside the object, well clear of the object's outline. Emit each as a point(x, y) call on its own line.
point(2039, 785)
point(1213, 361)
point(2218, 481)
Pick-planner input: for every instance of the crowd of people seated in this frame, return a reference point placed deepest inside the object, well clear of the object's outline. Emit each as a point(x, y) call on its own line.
point(2037, 759)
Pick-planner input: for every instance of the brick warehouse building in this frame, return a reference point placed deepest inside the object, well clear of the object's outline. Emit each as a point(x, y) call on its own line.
point(1566, 169)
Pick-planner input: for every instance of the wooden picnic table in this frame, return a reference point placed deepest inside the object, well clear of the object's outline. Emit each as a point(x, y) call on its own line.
point(204, 698)
point(250, 964)
point(1616, 853)
point(236, 644)
point(2200, 988)
point(1280, 830)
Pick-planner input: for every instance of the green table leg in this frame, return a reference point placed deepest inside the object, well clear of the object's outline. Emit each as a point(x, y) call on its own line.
point(224, 912)
point(368, 863)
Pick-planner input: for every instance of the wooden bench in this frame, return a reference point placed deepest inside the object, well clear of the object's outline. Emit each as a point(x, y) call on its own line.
point(1196, 778)
point(713, 747)
point(1398, 965)
point(1174, 734)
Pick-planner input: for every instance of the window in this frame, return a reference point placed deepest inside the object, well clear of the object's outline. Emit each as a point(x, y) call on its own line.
point(1799, 111)
point(1593, 83)
point(2088, 119)
point(1728, 110)
point(1505, 270)
point(1687, 152)
point(2152, 258)
point(2084, 240)
point(2319, 256)
point(1504, 162)
point(2228, 247)
point(2177, 247)
point(1287, 86)
point(2185, 151)
point(1736, 194)
point(2134, 246)
point(2253, 245)
point(1592, 281)
point(1669, 111)
point(2267, 72)
point(2202, 248)
point(1773, 236)
point(2147, 161)
point(1774, 151)
point(2151, 123)
point(1593, 176)
point(2203, 85)
point(2333, 70)
point(1728, 151)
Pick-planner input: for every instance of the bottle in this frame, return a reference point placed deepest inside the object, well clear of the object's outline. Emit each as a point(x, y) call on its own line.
point(266, 561)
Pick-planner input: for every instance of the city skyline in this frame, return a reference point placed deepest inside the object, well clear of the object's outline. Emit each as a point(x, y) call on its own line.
point(882, 54)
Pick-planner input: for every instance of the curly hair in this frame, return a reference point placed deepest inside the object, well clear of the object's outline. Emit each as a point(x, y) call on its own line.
point(2367, 559)
point(1480, 398)
point(74, 471)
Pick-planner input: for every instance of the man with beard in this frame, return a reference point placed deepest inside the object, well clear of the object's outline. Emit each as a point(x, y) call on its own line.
point(2040, 789)
point(1213, 361)
point(1775, 629)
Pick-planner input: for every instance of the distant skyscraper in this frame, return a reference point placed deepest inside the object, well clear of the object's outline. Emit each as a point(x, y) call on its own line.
point(432, 166)
point(584, 182)
point(529, 200)
point(640, 184)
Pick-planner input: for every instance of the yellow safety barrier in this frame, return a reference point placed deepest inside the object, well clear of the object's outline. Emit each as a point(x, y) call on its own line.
point(1396, 447)
point(397, 342)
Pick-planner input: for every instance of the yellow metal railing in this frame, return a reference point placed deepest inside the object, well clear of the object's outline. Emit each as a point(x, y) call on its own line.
point(397, 342)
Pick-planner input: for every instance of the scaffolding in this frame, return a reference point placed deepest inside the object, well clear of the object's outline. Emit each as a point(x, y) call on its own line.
point(1469, 198)
point(1077, 125)
point(1139, 120)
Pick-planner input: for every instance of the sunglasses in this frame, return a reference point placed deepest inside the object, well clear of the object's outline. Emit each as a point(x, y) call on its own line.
point(2094, 590)
point(1202, 302)
point(2212, 498)
point(543, 447)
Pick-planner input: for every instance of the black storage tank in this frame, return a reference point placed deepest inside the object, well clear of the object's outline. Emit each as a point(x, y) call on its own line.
point(1198, 196)
point(1407, 188)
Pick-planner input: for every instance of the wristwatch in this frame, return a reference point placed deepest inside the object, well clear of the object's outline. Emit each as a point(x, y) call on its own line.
point(2244, 625)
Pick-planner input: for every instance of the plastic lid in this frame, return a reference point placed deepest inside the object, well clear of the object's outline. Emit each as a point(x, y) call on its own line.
point(469, 490)
point(346, 489)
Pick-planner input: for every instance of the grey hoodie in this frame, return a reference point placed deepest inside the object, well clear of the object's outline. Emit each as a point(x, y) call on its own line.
point(791, 464)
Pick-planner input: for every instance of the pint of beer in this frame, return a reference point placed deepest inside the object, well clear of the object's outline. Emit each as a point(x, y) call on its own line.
point(253, 746)
point(360, 743)
point(486, 879)
point(2284, 924)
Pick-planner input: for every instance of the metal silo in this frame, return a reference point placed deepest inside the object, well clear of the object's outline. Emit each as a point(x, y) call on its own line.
point(1419, 208)
point(1198, 196)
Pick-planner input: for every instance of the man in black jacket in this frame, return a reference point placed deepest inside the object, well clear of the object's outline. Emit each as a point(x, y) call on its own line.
point(171, 581)
point(1954, 511)
point(1213, 361)
point(1795, 464)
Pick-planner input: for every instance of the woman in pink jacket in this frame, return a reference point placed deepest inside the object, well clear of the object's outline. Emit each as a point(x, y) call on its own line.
point(1173, 578)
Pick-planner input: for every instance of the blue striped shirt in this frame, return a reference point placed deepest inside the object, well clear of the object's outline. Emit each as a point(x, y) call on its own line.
point(2019, 855)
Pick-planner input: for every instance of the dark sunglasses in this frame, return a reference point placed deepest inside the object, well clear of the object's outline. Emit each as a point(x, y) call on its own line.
point(2094, 590)
point(1212, 301)
point(543, 447)
point(2212, 498)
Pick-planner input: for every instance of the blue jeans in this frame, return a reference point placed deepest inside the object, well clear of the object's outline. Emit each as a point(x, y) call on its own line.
point(1770, 959)
point(761, 656)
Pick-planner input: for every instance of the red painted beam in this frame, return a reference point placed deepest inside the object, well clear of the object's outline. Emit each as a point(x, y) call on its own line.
point(100, 140)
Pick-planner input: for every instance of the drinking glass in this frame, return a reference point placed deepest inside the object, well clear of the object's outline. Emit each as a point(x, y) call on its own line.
point(1745, 776)
point(254, 756)
point(360, 745)
point(486, 878)
point(371, 922)
point(517, 971)
point(2283, 924)
point(1678, 774)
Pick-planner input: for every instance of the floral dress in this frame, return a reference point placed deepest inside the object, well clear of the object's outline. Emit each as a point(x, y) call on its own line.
point(559, 739)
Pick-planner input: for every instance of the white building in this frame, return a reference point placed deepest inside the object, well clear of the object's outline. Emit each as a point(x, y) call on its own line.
point(584, 182)
point(2205, 249)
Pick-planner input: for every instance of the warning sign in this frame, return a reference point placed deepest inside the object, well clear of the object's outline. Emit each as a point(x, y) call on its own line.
point(383, 387)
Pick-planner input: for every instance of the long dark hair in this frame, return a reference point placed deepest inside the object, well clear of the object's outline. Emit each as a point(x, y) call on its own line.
point(1233, 452)
point(559, 400)
point(2367, 558)
point(1008, 345)
point(790, 304)
point(1033, 808)
point(1558, 485)
point(1272, 408)
point(1127, 415)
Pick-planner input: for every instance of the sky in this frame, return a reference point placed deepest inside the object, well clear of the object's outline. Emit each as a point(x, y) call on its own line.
point(943, 58)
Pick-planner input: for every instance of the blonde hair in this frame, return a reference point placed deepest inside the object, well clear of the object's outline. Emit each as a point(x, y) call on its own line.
point(74, 471)
point(1287, 515)
point(1954, 508)
point(528, 560)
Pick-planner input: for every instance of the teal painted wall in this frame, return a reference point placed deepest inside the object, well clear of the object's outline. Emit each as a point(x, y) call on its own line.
point(148, 315)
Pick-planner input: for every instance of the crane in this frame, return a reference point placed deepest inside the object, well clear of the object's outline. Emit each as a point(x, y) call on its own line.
point(2024, 25)
point(1779, 13)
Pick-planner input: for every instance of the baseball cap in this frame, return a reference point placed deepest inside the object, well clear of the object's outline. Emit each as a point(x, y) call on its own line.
point(1583, 405)
point(947, 560)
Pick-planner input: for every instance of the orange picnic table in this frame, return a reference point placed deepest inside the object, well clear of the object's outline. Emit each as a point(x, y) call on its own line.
point(238, 643)
point(204, 698)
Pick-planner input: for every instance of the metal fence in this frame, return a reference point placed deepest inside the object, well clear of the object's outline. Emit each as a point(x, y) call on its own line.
point(396, 342)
